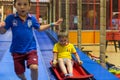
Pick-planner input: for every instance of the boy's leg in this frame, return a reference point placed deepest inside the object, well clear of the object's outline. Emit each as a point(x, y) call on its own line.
point(22, 76)
point(34, 71)
point(32, 63)
point(69, 65)
point(62, 66)
point(19, 65)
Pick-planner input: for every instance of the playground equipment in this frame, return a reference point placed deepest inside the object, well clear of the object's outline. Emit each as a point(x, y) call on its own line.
point(79, 73)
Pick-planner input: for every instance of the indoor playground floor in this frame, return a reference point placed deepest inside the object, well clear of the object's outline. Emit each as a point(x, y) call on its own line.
point(113, 56)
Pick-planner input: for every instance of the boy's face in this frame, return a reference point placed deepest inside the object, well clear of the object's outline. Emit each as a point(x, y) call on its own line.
point(22, 7)
point(63, 41)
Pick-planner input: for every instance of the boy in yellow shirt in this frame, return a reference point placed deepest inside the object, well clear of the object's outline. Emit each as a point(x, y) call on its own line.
point(62, 53)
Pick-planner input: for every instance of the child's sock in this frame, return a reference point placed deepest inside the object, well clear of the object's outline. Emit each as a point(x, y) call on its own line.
point(70, 74)
point(66, 75)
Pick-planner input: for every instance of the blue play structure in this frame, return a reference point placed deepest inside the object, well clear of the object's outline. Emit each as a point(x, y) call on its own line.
point(45, 41)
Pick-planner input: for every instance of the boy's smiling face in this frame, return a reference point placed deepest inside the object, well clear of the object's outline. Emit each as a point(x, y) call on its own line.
point(63, 41)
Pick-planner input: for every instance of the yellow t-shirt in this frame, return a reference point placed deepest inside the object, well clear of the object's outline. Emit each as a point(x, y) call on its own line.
point(64, 51)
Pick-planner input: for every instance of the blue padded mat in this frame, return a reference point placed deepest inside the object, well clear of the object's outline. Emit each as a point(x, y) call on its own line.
point(44, 42)
point(96, 69)
point(46, 46)
point(6, 62)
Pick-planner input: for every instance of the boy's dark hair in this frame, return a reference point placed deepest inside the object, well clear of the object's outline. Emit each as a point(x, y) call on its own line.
point(16, 0)
point(62, 34)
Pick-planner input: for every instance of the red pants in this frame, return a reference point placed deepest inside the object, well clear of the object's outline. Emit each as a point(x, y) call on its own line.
point(20, 60)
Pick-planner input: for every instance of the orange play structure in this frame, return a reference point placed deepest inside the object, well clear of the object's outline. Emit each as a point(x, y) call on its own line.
point(87, 37)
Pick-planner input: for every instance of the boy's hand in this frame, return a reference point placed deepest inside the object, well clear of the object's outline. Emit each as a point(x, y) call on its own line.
point(54, 63)
point(2, 24)
point(2, 29)
point(58, 22)
point(80, 62)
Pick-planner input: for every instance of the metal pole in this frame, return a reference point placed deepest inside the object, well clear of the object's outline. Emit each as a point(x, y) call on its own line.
point(79, 14)
point(102, 32)
point(111, 10)
point(118, 14)
point(37, 9)
point(67, 15)
point(54, 12)
point(50, 12)
point(59, 12)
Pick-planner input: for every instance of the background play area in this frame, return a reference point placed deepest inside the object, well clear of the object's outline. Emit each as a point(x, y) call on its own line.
point(93, 27)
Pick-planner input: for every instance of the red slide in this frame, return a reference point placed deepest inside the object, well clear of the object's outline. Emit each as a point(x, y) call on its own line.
point(78, 73)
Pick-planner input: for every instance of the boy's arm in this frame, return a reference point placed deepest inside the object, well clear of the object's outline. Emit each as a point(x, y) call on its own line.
point(2, 29)
point(44, 27)
point(55, 57)
point(78, 58)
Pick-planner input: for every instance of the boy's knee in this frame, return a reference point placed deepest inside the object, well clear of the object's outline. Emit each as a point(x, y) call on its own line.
point(34, 67)
point(60, 59)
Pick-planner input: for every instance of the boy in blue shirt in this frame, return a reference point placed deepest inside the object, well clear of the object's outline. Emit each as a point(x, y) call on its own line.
point(23, 46)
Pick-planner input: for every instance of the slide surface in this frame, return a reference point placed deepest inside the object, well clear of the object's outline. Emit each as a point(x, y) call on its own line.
point(90, 66)
point(6, 62)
